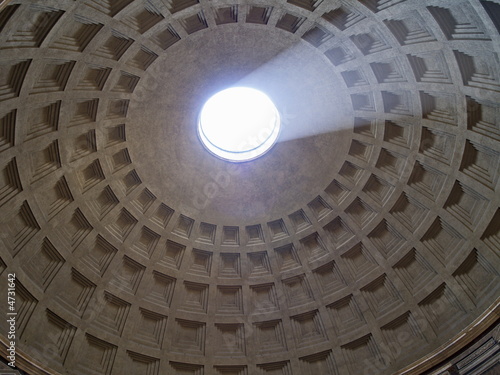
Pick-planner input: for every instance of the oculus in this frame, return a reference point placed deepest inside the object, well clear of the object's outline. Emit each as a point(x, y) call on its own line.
point(239, 124)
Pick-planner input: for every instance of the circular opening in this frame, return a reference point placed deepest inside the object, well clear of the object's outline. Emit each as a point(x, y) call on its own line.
point(239, 124)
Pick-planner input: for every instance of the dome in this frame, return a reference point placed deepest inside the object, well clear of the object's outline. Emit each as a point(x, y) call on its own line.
point(365, 241)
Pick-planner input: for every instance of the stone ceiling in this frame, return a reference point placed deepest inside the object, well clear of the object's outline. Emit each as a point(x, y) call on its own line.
point(363, 242)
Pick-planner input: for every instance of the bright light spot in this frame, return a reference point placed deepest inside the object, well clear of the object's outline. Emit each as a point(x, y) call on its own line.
point(239, 124)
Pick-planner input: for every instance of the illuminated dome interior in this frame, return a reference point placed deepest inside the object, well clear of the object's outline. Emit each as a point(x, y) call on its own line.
point(364, 240)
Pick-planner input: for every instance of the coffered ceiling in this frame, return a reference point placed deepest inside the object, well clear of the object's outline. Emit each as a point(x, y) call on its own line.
point(362, 243)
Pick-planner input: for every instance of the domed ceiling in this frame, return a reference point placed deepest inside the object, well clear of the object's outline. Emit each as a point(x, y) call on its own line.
point(363, 242)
